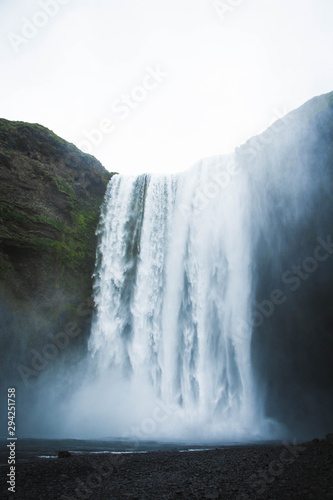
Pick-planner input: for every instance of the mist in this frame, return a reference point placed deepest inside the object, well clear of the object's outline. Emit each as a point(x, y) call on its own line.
point(226, 339)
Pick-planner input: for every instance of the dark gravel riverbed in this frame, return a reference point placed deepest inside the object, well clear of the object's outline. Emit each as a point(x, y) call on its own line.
point(286, 471)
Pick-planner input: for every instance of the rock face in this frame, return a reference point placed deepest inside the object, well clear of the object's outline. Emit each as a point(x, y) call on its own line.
point(292, 342)
point(50, 198)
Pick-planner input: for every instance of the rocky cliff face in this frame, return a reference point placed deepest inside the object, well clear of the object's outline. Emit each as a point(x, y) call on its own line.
point(292, 342)
point(50, 198)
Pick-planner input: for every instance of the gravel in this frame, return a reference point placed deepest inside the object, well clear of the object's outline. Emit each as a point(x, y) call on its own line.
point(286, 471)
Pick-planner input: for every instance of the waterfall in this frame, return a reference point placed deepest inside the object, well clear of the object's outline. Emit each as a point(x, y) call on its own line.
point(171, 336)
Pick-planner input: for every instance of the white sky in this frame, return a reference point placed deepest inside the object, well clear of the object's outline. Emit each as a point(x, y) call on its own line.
point(229, 75)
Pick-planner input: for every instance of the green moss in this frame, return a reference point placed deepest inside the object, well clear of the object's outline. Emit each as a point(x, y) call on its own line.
point(7, 213)
point(63, 187)
point(45, 244)
point(28, 129)
point(49, 220)
point(76, 249)
point(79, 244)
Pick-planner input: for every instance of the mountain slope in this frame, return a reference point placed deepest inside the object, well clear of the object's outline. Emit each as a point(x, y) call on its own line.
point(50, 198)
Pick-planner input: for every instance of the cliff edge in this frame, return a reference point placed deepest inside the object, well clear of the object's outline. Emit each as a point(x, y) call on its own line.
point(50, 198)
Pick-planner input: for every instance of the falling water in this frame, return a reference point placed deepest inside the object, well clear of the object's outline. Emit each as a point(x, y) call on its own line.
point(172, 331)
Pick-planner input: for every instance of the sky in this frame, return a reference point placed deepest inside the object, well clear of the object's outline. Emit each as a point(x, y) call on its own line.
point(156, 85)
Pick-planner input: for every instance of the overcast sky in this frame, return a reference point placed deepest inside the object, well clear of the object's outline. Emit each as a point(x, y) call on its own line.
point(155, 85)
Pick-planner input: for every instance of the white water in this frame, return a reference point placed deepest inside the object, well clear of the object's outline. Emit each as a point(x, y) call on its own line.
point(171, 336)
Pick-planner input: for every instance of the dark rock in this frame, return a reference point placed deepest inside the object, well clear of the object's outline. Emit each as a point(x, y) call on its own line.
point(64, 454)
point(50, 198)
point(296, 218)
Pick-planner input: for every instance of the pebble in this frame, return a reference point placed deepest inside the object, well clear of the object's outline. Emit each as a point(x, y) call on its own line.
point(170, 475)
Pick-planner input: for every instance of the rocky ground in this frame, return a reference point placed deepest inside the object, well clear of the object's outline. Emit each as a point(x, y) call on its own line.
point(286, 471)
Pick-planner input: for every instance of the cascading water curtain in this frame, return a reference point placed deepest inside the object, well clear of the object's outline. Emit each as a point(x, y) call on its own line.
point(172, 331)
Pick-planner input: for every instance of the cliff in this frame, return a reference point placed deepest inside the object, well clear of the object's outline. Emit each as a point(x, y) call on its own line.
point(292, 342)
point(50, 198)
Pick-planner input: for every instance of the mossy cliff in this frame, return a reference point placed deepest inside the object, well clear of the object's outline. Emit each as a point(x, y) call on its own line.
point(50, 198)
